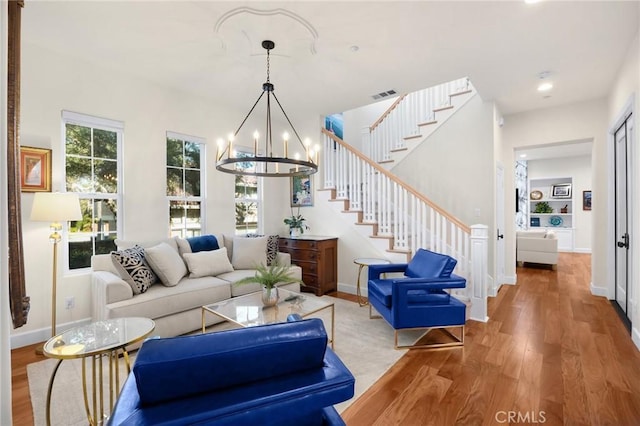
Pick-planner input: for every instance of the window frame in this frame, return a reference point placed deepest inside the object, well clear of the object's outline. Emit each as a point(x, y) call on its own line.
point(203, 178)
point(94, 122)
point(258, 200)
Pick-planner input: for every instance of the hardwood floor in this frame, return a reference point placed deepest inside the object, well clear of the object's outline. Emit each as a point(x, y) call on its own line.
point(551, 353)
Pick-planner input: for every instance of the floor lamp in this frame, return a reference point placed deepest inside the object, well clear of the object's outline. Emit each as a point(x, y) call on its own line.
point(55, 208)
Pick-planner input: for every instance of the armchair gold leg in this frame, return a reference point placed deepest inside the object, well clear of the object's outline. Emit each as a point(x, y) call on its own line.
point(458, 340)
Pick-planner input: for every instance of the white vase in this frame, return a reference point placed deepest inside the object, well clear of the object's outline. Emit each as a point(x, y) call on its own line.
point(294, 232)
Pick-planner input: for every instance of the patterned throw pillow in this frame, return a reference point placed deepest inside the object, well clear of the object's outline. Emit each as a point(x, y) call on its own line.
point(272, 246)
point(134, 269)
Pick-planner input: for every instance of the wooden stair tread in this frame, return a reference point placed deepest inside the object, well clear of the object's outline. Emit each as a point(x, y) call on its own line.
point(427, 123)
point(444, 108)
point(406, 138)
point(385, 161)
point(399, 149)
point(464, 92)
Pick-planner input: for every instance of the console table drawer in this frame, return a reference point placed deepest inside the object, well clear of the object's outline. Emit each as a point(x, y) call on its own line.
point(318, 258)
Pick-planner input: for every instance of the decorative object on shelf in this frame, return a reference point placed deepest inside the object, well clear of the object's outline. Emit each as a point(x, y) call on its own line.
point(586, 200)
point(268, 164)
point(301, 191)
point(35, 169)
point(561, 190)
point(564, 209)
point(536, 195)
point(268, 277)
point(55, 207)
point(296, 224)
point(555, 221)
point(543, 207)
point(535, 221)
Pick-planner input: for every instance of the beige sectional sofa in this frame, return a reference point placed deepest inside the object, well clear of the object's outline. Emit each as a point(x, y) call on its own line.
point(176, 309)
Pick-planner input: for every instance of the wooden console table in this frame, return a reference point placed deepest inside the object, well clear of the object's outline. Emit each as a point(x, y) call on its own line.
point(318, 258)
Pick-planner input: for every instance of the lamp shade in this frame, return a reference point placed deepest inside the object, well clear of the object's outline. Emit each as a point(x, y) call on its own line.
point(55, 207)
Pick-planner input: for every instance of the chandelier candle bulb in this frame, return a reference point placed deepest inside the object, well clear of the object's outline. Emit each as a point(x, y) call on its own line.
point(285, 136)
point(220, 151)
point(230, 146)
point(255, 143)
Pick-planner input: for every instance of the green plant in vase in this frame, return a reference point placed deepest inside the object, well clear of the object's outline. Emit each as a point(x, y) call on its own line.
point(268, 277)
point(296, 224)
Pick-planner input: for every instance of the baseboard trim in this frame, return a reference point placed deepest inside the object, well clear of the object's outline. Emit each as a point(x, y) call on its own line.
point(582, 250)
point(351, 289)
point(511, 280)
point(599, 291)
point(635, 337)
point(42, 334)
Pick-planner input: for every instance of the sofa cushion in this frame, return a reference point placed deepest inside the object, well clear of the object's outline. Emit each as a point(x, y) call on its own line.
point(185, 247)
point(133, 268)
point(160, 301)
point(208, 263)
point(272, 246)
point(381, 290)
point(226, 359)
point(166, 263)
point(249, 252)
point(428, 264)
point(203, 243)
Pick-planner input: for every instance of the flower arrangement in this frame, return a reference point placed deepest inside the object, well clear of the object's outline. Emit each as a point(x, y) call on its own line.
point(296, 222)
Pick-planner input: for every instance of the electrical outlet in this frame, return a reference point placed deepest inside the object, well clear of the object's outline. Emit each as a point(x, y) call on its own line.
point(70, 302)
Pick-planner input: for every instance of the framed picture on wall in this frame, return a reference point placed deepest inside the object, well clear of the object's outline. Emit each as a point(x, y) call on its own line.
point(561, 190)
point(301, 191)
point(35, 169)
point(586, 200)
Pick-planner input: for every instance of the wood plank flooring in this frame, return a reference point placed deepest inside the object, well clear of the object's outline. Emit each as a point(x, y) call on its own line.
point(550, 354)
point(549, 347)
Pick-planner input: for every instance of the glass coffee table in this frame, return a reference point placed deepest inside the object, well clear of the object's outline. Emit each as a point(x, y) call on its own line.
point(248, 310)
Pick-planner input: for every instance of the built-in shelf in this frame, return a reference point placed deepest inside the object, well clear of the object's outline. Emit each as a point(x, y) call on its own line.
point(564, 230)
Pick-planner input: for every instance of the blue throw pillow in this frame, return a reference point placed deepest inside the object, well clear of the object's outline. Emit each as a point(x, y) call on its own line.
point(203, 243)
point(428, 264)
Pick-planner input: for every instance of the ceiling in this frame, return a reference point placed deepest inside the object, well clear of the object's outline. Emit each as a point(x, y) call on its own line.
point(557, 150)
point(333, 56)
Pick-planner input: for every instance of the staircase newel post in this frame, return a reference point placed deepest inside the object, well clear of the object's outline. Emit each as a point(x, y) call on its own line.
point(478, 274)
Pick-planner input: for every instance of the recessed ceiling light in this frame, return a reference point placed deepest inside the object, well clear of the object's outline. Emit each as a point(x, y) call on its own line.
point(354, 48)
point(545, 87)
point(523, 155)
point(531, 1)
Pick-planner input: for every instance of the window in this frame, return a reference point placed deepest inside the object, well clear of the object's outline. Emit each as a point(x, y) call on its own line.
point(185, 177)
point(92, 169)
point(248, 208)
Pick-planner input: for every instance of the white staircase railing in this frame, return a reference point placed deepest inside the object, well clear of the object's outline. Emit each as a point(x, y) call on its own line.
point(404, 117)
point(400, 212)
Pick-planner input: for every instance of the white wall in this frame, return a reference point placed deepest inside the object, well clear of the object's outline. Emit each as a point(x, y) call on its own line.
point(357, 119)
point(578, 121)
point(578, 168)
point(51, 83)
point(625, 92)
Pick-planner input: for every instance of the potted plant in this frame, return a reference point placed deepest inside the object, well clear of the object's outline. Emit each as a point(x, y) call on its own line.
point(268, 277)
point(296, 224)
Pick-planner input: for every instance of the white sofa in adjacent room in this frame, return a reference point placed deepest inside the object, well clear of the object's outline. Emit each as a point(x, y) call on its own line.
point(537, 246)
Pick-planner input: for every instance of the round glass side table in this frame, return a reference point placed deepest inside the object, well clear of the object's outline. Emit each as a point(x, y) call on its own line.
point(101, 339)
point(362, 262)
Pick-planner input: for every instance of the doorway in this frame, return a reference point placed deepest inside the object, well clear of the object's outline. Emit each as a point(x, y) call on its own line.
point(622, 138)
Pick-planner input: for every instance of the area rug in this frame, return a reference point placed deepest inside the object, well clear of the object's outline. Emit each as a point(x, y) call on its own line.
point(364, 345)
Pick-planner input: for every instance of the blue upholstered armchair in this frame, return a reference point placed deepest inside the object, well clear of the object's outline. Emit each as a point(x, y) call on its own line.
point(418, 299)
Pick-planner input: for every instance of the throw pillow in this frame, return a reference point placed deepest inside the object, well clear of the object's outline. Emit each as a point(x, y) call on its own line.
point(249, 252)
point(272, 246)
point(208, 263)
point(133, 268)
point(166, 263)
point(203, 243)
point(185, 247)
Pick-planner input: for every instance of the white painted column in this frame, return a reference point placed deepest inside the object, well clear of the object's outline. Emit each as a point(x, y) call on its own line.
point(478, 274)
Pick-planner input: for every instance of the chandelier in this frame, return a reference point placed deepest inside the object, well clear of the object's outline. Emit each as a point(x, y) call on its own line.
point(228, 161)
